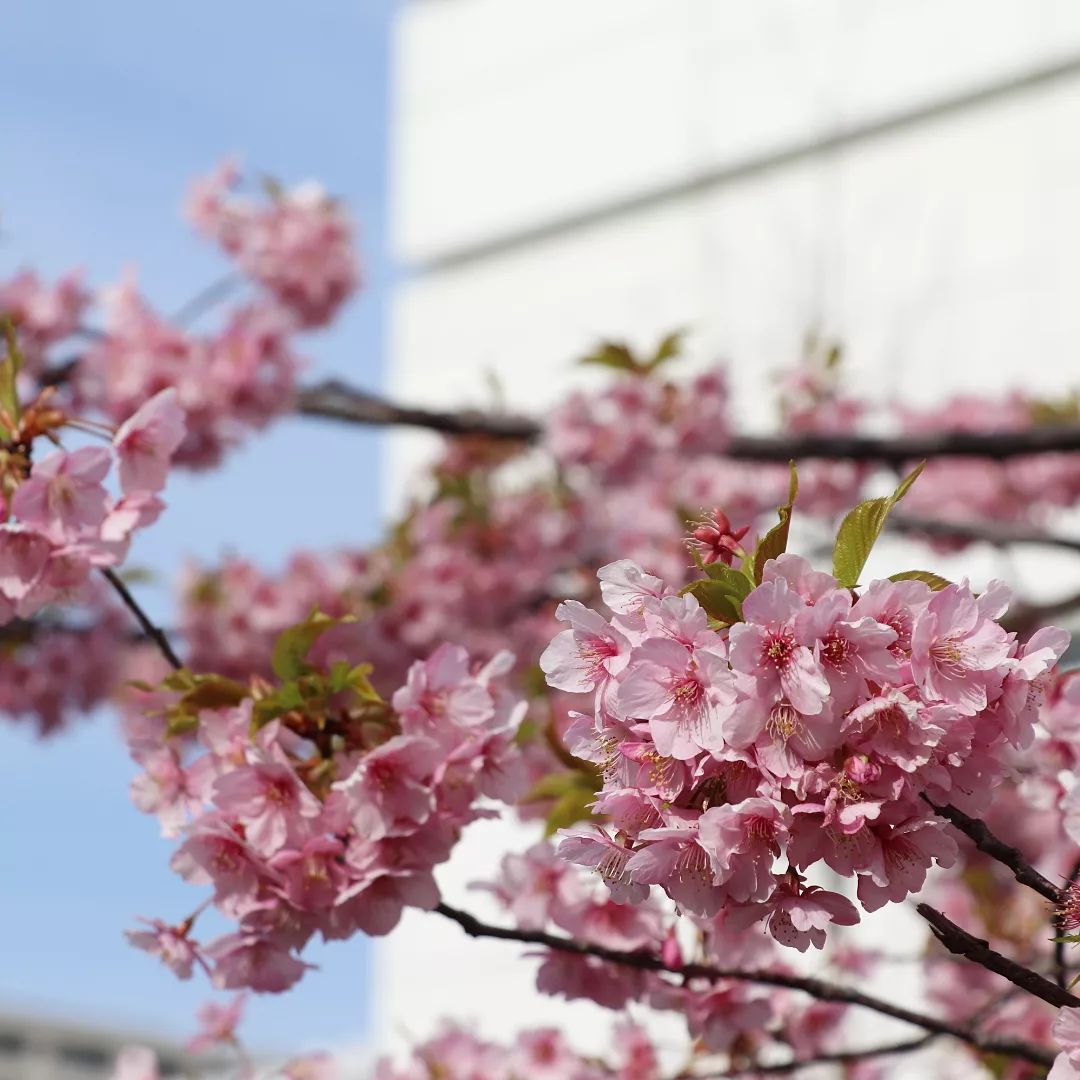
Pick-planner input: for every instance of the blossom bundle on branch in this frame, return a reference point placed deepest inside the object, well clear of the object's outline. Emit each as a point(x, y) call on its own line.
point(774, 719)
point(312, 806)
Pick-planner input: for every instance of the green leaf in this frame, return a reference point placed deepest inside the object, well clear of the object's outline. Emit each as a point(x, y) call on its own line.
point(860, 529)
point(528, 731)
point(717, 600)
point(214, 692)
point(181, 723)
point(612, 354)
point(361, 684)
point(573, 807)
point(935, 581)
point(346, 676)
point(905, 485)
point(9, 371)
point(735, 581)
point(284, 700)
point(204, 691)
point(620, 357)
point(574, 793)
point(556, 785)
point(669, 347)
point(774, 542)
point(289, 657)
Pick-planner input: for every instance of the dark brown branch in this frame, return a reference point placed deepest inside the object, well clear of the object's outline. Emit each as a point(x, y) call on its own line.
point(817, 988)
point(845, 1056)
point(989, 844)
point(154, 633)
point(960, 943)
point(336, 400)
point(841, 1057)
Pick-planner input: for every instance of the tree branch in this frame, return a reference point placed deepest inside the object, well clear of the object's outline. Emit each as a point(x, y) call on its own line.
point(154, 633)
point(817, 988)
point(960, 943)
point(997, 849)
point(336, 400)
point(207, 298)
point(840, 1057)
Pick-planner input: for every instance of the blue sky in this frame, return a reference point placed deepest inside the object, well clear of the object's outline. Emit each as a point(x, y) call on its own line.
point(108, 109)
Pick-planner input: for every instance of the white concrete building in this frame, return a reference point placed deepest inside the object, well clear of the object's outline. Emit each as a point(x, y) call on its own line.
point(39, 1048)
point(903, 175)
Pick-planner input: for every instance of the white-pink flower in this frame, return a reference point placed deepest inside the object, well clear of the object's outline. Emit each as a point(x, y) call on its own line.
point(1067, 1035)
point(146, 442)
point(685, 695)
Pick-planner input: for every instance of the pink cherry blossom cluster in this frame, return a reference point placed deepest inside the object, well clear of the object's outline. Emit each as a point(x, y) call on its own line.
point(480, 580)
point(541, 891)
point(323, 823)
point(42, 314)
point(62, 522)
point(479, 564)
point(806, 731)
point(639, 460)
point(53, 671)
point(1022, 489)
point(1034, 810)
point(616, 432)
point(231, 614)
point(233, 381)
point(539, 1054)
point(649, 441)
point(298, 243)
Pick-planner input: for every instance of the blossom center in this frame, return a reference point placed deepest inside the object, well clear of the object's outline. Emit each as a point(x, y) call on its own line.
point(783, 721)
point(837, 651)
point(948, 657)
point(779, 646)
point(693, 864)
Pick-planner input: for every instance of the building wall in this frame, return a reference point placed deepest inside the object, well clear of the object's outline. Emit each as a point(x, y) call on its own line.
point(36, 1048)
point(944, 255)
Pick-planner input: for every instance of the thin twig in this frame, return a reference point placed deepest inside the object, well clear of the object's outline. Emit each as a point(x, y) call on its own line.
point(840, 1057)
point(960, 943)
point(154, 633)
point(207, 298)
point(817, 988)
point(844, 1056)
point(997, 849)
point(336, 400)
